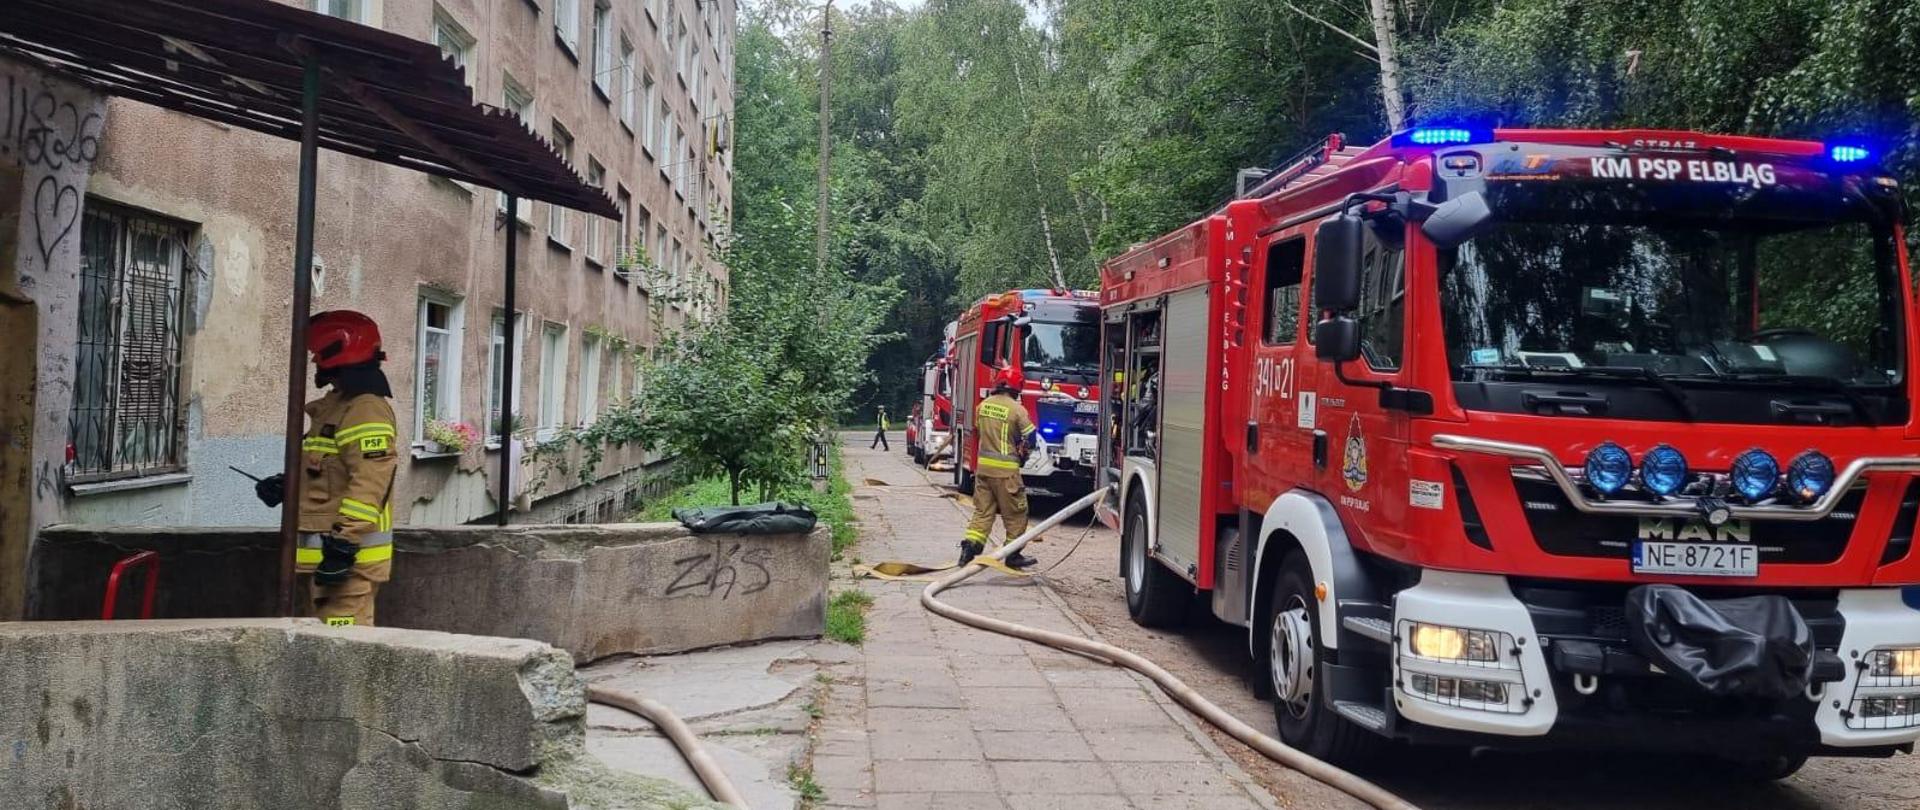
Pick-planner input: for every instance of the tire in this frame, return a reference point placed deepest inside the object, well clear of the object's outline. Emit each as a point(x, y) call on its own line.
point(1156, 597)
point(966, 479)
point(1306, 721)
point(1772, 769)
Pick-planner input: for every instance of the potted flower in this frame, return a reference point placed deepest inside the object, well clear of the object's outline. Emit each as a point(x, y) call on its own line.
point(450, 437)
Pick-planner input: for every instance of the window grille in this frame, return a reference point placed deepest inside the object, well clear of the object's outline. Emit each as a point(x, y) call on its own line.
point(126, 419)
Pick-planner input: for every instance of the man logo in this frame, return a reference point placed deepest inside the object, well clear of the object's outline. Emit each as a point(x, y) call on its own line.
point(1733, 531)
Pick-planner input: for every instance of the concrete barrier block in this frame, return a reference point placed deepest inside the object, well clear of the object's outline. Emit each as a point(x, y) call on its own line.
point(592, 590)
point(597, 591)
point(286, 713)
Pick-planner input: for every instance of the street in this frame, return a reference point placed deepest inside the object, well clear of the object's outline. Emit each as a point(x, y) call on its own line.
point(1212, 658)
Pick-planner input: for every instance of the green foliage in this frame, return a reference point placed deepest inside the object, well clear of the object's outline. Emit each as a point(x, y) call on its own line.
point(847, 616)
point(802, 781)
point(834, 507)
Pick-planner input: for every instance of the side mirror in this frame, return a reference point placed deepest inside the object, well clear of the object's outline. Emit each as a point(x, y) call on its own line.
point(1457, 220)
point(1336, 263)
point(1337, 339)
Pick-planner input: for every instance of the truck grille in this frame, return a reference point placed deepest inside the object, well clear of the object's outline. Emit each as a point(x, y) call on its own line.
point(1562, 530)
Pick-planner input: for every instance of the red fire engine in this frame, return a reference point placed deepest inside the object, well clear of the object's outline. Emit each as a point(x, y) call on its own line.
point(933, 415)
point(1536, 438)
point(1052, 337)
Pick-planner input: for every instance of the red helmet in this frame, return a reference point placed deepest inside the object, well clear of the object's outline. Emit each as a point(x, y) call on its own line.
point(341, 338)
point(1008, 379)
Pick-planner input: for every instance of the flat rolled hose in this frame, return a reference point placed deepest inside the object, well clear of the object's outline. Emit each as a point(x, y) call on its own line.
point(1319, 770)
point(703, 764)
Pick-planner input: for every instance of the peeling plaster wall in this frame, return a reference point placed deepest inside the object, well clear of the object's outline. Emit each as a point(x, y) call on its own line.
point(50, 135)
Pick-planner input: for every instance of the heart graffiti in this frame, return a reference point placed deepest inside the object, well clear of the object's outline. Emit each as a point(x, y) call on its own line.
point(56, 207)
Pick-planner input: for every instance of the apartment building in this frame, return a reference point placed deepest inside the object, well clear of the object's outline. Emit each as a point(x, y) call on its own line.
point(187, 256)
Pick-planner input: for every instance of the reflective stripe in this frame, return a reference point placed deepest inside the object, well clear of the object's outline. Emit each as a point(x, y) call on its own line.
point(376, 539)
point(364, 430)
point(307, 556)
point(319, 444)
point(376, 547)
point(993, 410)
point(1027, 431)
point(373, 554)
point(359, 510)
point(998, 463)
point(973, 534)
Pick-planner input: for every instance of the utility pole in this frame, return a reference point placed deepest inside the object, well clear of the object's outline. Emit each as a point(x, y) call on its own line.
point(826, 143)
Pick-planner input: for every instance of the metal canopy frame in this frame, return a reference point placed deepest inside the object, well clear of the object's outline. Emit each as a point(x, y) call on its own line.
point(324, 82)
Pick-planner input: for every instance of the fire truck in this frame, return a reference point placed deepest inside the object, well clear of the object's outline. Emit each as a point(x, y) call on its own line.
point(1536, 438)
point(934, 417)
point(1052, 338)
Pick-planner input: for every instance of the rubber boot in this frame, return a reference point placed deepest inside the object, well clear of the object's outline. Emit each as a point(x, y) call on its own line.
point(970, 550)
point(1019, 560)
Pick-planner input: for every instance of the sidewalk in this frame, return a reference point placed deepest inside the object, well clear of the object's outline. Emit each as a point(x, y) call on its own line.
point(940, 715)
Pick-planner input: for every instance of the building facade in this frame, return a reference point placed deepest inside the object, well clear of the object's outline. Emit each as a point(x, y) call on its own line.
point(186, 253)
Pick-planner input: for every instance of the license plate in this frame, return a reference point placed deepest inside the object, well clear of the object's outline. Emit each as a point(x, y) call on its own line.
point(1696, 559)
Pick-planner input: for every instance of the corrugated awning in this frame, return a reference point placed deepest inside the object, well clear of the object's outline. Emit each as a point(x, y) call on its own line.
point(384, 97)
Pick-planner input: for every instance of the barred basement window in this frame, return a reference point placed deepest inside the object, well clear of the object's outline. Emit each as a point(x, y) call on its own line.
point(127, 420)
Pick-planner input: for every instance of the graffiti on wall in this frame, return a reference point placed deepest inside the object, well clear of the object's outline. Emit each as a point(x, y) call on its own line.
point(47, 133)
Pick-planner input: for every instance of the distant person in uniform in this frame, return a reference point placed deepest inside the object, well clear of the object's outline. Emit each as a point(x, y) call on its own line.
point(880, 436)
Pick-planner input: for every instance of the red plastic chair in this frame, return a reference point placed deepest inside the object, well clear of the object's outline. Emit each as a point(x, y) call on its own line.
point(151, 560)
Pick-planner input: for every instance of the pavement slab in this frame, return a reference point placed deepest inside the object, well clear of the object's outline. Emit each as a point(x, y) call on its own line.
point(950, 716)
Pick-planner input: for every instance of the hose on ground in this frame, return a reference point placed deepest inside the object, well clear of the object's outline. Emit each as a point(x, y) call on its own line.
point(1319, 770)
point(703, 764)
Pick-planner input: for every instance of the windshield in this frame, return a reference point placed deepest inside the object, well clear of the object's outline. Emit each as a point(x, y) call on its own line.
point(1581, 278)
point(1062, 348)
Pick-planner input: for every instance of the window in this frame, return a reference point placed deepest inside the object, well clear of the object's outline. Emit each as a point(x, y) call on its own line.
point(623, 236)
point(553, 379)
point(436, 389)
point(596, 177)
point(626, 87)
point(454, 42)
point(648, 105)
point(566, 23)
point(660, 247)
point(1383, 299)
point(1285, 261)
point(675, 271)
point(127, 419)
point(589, 378)
point(643, 224)
point(354, 10)
point(496, 366)
point(680, 49)
point(615, 393)
point(665, 136)
point(603, 66)
point(557, 214)
point(519, 101)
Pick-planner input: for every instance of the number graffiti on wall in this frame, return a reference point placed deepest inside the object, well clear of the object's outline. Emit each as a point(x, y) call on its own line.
point(41, 130)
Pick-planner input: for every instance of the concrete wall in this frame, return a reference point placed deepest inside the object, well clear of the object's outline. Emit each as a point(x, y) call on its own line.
point(290, 715)
point(50, 134)
point(593, 591)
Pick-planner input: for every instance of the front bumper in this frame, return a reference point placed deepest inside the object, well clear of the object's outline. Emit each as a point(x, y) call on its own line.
point(1568, 678)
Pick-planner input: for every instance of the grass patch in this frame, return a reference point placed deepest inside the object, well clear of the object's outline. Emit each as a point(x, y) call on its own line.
point(847, 616)
point(802, 781)
point(834, 506)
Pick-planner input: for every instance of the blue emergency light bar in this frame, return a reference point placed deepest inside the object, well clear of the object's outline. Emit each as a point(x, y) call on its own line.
point(1847, 153)
point(1440, 136)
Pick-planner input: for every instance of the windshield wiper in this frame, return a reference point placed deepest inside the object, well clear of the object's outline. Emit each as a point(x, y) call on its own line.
point(1647, 375)
point(1854, 400)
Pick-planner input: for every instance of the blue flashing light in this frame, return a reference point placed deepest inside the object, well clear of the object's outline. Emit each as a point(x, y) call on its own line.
point(1755, 473)
point(1847, 153)
point(1436, 136)
point(1663, 471)
point(1050, 429)
point(1810, 475)
point(1608, 468)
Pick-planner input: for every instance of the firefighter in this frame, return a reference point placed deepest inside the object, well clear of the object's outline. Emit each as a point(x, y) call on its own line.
point(1005, 436)
point(346, 520)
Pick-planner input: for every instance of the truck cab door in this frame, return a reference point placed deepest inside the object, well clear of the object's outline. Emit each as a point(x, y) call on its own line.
point(1359, 450)
point(1281, 415)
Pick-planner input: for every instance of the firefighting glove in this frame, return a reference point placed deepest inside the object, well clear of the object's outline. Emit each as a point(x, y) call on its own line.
point(271, 490)
point(336, 560)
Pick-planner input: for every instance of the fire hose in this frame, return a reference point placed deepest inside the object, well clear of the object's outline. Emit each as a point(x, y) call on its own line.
point(1319, 770)
point(703, 763)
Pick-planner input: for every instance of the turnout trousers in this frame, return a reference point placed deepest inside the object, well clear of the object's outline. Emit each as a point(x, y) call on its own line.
point(1002, 497)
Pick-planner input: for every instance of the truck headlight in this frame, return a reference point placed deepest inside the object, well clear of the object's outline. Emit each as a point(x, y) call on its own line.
point(1447, 689)
point(1454, 643)
point(1896, 663)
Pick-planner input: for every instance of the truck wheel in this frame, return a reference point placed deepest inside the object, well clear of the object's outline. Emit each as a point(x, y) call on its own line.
point(1293, 656)
point(1156, 597)
point(965, 477)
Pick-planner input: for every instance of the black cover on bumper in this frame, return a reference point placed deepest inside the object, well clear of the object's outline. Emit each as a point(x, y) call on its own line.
point(1756, 646)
